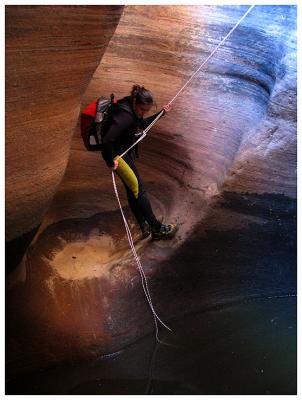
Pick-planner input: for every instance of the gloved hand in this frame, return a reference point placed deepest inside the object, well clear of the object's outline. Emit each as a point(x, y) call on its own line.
point(167, 107)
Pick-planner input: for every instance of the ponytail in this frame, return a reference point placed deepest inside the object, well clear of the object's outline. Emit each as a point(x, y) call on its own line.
point(142, 95)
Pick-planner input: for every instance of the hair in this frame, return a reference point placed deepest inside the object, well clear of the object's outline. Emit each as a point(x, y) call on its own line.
point(142, 95)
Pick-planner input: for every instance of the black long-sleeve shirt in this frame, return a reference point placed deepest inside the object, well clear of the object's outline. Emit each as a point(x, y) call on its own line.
point(122, 126)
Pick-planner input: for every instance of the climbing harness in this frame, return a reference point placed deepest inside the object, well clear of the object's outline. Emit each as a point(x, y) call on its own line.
point(144, 134)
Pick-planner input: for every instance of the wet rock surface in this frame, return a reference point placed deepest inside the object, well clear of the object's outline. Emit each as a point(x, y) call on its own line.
point(246, 250)
point(234, 349)
point(221, 164)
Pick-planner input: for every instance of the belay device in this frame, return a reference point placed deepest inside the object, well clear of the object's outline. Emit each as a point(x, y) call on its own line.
point(93, 121)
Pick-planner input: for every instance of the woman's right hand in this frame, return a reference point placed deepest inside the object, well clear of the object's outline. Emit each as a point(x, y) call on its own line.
point(115, 167)
point(167, 107)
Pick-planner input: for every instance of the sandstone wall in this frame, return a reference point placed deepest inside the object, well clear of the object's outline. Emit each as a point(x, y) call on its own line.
point(231, 129)
point(51, 54)
point(221, 164)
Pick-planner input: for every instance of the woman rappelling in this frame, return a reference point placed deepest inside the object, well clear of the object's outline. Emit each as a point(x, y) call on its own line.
point(126, 117)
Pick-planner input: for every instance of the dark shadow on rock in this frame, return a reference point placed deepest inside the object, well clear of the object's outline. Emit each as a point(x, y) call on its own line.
point(248, 348)
point(15, 250)
point(245, 247)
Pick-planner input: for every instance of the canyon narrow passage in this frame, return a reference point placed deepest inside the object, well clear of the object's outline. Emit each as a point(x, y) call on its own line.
point(222, 164)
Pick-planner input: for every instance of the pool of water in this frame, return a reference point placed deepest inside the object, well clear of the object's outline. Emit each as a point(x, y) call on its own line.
point(244, 348)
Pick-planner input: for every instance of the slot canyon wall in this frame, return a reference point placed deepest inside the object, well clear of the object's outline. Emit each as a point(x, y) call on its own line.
point(50, 57)
point(222, 164)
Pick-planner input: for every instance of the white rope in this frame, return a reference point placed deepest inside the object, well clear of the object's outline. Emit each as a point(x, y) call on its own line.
point(144, 134)
point(211, 55)
point(143, 276)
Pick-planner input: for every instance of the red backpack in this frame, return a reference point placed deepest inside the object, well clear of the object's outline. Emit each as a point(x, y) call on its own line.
point(93, 121)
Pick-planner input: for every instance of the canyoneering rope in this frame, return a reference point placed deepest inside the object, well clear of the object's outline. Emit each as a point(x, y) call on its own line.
point(143, 276)
point(143, 135)
point(213, 52)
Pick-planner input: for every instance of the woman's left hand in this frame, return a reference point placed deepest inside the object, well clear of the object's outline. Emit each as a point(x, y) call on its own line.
point(167, 107)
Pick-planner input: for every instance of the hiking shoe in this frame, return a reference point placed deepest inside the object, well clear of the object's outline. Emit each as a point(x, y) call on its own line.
point(146, 230)
point(165, 232)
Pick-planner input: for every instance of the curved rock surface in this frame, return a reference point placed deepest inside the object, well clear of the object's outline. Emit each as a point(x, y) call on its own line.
point(51, 54)
point(222, 164)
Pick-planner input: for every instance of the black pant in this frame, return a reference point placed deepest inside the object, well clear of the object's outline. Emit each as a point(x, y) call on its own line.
point(137, 196)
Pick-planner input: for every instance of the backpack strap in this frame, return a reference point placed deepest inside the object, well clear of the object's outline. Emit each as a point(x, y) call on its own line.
point(124, 105)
